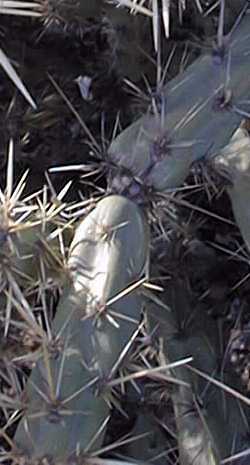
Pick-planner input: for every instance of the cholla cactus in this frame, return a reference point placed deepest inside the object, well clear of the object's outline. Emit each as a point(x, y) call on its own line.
point(67, 399)
point(210, 421)
point(97, 315)
point(159, 149)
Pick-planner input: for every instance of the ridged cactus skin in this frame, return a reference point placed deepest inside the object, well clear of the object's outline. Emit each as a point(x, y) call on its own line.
point(67, 393)
point(199, 111)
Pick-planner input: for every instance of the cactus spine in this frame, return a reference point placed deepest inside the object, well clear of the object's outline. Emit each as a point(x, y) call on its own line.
point(67, 396)
point(96, 318)
point(159, 149)
point(207, 430)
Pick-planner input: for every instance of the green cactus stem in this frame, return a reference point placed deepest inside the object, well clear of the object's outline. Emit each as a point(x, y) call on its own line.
point(199, 111)
point(234, 162)
point(99, 311)
point(210, 423)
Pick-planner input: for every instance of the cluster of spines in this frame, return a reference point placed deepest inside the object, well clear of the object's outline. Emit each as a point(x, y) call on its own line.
point(185, 125)
point(67, 394)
